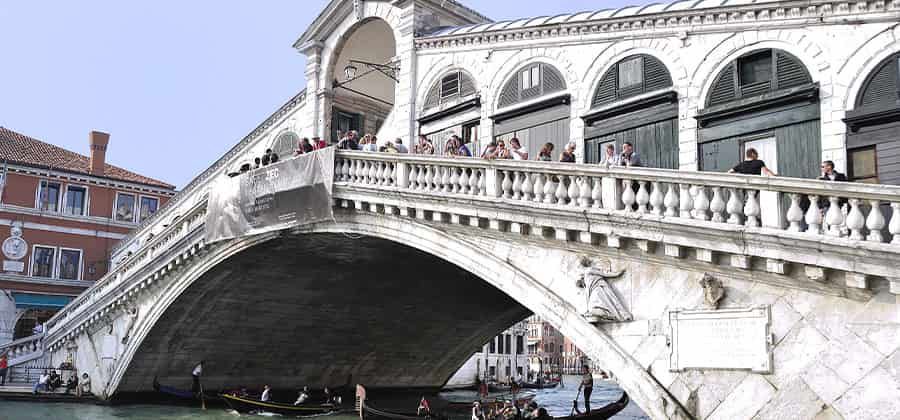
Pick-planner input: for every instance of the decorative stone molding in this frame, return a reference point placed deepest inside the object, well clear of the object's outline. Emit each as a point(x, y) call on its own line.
point(713, 291)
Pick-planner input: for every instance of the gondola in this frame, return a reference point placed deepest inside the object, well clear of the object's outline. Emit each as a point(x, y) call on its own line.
point(601, 413)
point(367, 412)
point(248, 404)
point(540, 385)
point(179, 394)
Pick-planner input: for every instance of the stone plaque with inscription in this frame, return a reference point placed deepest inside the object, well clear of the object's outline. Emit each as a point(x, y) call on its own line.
point(737, 339)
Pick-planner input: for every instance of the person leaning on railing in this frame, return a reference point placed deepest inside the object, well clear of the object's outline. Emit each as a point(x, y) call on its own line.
point(752, 165)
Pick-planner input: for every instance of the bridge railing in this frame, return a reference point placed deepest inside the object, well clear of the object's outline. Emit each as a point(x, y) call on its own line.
point(24, 349)
point(816, 208)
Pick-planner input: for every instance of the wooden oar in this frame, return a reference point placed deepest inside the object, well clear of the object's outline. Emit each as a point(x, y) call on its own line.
point(202, 399)
point(575, 403)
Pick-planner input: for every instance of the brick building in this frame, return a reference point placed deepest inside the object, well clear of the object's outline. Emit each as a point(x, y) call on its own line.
point(545, 346)
point(61, 213)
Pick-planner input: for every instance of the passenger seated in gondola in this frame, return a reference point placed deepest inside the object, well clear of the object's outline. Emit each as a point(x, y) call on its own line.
point(477, 412)
point(542, 414)
point(424, 408)
point(304, 395)
point(266, 394)
point(72, 383)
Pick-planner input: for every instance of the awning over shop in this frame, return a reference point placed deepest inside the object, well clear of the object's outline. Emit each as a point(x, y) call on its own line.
point(38, 301)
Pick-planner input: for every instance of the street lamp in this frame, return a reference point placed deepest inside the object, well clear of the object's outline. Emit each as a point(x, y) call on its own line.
point(390, 69)
point(350, 72)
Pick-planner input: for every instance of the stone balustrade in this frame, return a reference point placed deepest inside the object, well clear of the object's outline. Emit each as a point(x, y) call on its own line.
point(24, 349)
point(817, 208)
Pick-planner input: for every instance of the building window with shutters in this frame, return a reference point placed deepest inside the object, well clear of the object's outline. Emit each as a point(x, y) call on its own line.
point(450, 86)
point(755, 69)
point(76, 200)
point(631, 72)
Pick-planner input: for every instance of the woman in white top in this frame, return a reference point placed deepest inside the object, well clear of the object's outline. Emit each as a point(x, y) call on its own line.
point(611, 158)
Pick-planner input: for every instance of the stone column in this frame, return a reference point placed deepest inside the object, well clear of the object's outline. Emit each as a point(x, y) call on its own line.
point(7, 316)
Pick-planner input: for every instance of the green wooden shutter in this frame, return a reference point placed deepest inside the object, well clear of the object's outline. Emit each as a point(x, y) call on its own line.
point(882, 87)
point(510, 93)
point(606, 91)
point(656, 76)
point(723, 89)
point(466, 85)
point(790, 71)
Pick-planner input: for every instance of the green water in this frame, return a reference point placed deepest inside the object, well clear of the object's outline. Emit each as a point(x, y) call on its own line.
point(558, 402)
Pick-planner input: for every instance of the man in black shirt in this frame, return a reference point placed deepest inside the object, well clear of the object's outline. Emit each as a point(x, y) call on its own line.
point(751, 166)
point(829, 174)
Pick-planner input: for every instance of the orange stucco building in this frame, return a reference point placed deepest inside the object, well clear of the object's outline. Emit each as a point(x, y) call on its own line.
point(61, 214)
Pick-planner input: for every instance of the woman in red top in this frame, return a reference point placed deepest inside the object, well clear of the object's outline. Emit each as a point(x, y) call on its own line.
point(3, 369)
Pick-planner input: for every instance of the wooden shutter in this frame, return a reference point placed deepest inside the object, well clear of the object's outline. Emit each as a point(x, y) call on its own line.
point(790, 71)
point(882, 86)
point(606, 91)
point(552, 80)
point(466, 85)
point(509, 95)
point(723, 89)
point(656, 76)
point(433, 99)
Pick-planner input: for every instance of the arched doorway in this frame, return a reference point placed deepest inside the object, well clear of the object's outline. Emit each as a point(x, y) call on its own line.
point(766, 100)
point(533, 106)
point(872, 141)
point(634, 102)
point(363, 77)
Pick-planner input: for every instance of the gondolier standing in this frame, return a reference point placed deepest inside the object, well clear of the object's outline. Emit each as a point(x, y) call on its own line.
point(587, 385)
point(196, 373)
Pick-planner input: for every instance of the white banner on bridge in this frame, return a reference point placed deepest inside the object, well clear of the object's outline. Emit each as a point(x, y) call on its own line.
point(282, 195)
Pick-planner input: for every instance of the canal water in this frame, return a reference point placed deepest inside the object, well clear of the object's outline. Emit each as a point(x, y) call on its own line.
point(558, 402)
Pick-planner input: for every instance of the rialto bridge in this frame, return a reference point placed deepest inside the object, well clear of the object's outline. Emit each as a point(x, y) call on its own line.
point(708, 295)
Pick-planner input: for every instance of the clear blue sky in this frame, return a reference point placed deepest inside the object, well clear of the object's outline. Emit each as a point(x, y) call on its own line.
point(175, 83)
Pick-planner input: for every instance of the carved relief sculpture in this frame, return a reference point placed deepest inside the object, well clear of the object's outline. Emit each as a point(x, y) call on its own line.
point(713, 291)
point(602, 303)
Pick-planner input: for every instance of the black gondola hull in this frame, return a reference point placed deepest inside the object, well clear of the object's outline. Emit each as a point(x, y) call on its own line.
point(247, 405)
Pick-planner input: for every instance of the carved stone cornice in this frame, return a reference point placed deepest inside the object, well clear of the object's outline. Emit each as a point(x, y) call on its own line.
point(688, 20)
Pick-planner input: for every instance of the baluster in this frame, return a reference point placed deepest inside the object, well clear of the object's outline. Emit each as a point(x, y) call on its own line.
point(628, 196)
point(894, 226)
point(751, 209)
point(345, 170)
point(642, 197)
point(421, 182)
point(413, 176)
point(734, 206)
point(436, 179)
point(473, 181)
point(374, 172)
point(352, 171)
point(506, 185)
point(517, 186)
point(656, 199)
point(597, 193)
point(686, 201)
point(813, 216)
point(363, 170)
point(561, 191)
point(550, 189)
point(875, 222)
point(527, 186)
point(454, 180)
point(717, 205)
point(701, 204)
point(386, 173)
point(445, 179)
point(670, 201)
point(392, 175)
point(573, 191)
point(464, 181)
point(795, 214)
point(482, 182)
point(855, 220)
point(538, 188)
point(834, 217)
point(584, 192)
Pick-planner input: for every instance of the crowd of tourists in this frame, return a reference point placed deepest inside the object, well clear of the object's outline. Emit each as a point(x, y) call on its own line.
point(51, 381)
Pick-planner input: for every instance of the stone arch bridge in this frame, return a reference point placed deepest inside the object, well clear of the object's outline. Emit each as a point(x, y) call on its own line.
point(427, 258)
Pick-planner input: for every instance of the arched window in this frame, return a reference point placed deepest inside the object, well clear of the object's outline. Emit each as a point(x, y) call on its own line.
point(632, 76)
point(757, 73)
point(285, 144)
point(532, 81)
point(450, 89)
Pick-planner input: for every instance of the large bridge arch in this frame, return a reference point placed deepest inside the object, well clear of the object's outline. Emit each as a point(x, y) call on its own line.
point(489, 266)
